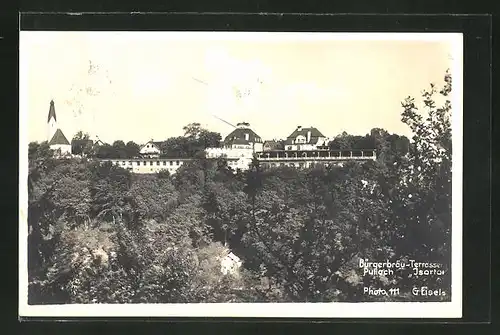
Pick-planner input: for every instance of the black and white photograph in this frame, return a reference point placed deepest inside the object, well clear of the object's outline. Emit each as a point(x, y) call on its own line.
point(240, 174)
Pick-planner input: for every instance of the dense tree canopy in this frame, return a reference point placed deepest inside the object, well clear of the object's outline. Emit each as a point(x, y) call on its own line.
point(194, 142)
point(117, 150)
point(98, 234)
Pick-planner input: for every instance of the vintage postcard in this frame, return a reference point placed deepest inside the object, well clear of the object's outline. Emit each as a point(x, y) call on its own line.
point(238, 174)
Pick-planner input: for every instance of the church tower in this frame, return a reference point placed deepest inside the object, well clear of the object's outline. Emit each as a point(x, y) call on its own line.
point(51, 121)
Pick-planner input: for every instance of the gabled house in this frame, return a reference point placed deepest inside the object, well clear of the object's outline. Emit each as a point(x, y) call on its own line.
point(230, 264)
point(151, 149)
point(240, 144)
point(98, 142)
point(243, 138)
point(273, 145)
point(78, 147)
point(304, 139)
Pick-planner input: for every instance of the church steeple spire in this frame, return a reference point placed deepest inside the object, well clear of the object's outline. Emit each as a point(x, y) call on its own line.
point(51, 121)
point(52, 111)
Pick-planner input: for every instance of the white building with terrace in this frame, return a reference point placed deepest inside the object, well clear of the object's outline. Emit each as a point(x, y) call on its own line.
point(303, 148)
point(239, 147)
point(306, 147)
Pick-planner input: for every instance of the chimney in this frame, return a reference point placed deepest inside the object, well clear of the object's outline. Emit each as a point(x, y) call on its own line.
point(299, 128)
point(308, 136)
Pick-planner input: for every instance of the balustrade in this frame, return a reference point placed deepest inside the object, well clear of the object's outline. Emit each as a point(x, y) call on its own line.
point(317, 155)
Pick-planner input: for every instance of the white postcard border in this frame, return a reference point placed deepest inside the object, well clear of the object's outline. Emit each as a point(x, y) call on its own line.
point(451, 309)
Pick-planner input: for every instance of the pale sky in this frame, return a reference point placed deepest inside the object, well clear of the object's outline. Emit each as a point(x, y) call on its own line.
point(146, 85)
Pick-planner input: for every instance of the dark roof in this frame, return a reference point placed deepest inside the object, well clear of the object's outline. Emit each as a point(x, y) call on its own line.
point(52, 111)
point(273, 144)
point(58, 138)
point(239, 133)
point(238, 141)
point(315, 133)
point(155, 143)
point(82, 141)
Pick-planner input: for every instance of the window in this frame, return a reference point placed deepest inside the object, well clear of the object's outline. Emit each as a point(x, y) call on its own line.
point(290, 147)
point(157, 162)
point(151, 163)
point(145, 163)
point(300, 139)
point(164, 162)
point(130, 163)
point(177, 163)
point(171, 163)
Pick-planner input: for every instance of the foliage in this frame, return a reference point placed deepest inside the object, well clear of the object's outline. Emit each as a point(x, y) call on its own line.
point(132, 149)
point(81, 144)
point(98, 234)
point(152, 197)
point(292, 236)
point(117, 150)
point(195, 140)
point(427, 179)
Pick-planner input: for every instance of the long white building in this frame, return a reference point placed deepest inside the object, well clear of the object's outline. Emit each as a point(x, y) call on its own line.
point(303, 148)
point(155, 165)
